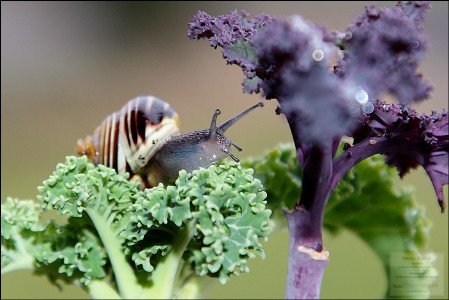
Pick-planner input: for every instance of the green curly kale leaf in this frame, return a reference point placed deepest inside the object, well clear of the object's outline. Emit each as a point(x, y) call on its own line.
point(367, 202)
point(65, 253)
point(209, 223)
point(78, 186)
point(387, 218)
point(99, 197)
point(70, 253)
point(280, 174)
point(20, 225)
point(222, 210)
point(231, 223)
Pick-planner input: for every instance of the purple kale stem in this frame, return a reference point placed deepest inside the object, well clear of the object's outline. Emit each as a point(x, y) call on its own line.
point(305, 265)
point(317, 170)
point(365, 149)
point(307, 256)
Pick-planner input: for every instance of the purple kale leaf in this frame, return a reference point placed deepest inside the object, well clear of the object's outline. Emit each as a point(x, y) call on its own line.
point(415, 11)
point(233, 32)
point(292, 67)
point(226, 29)
point(384, 51)
point(406, 139)
point(290, 60)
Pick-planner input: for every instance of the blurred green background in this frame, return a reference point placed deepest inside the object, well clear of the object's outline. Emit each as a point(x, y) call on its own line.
point(65, 66)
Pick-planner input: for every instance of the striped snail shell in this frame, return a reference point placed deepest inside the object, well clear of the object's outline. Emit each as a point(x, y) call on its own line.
point(143, 139)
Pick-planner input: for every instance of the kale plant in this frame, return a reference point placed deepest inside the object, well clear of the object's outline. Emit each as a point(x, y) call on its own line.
point(119, 241)
point(328, 85)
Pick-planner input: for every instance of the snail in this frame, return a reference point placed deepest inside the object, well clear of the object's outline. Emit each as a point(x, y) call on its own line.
point(143, 139)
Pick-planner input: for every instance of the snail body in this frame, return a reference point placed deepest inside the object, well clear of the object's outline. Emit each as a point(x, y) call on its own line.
point(143, 139)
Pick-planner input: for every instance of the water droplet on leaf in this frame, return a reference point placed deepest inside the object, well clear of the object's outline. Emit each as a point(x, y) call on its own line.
point(361, 96)
point(318, 55)
point(368, 107)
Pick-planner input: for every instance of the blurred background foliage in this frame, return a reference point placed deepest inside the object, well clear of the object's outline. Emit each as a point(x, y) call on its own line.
point(67, 65)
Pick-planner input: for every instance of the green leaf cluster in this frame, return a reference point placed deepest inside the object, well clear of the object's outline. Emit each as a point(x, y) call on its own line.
point(208, 223)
